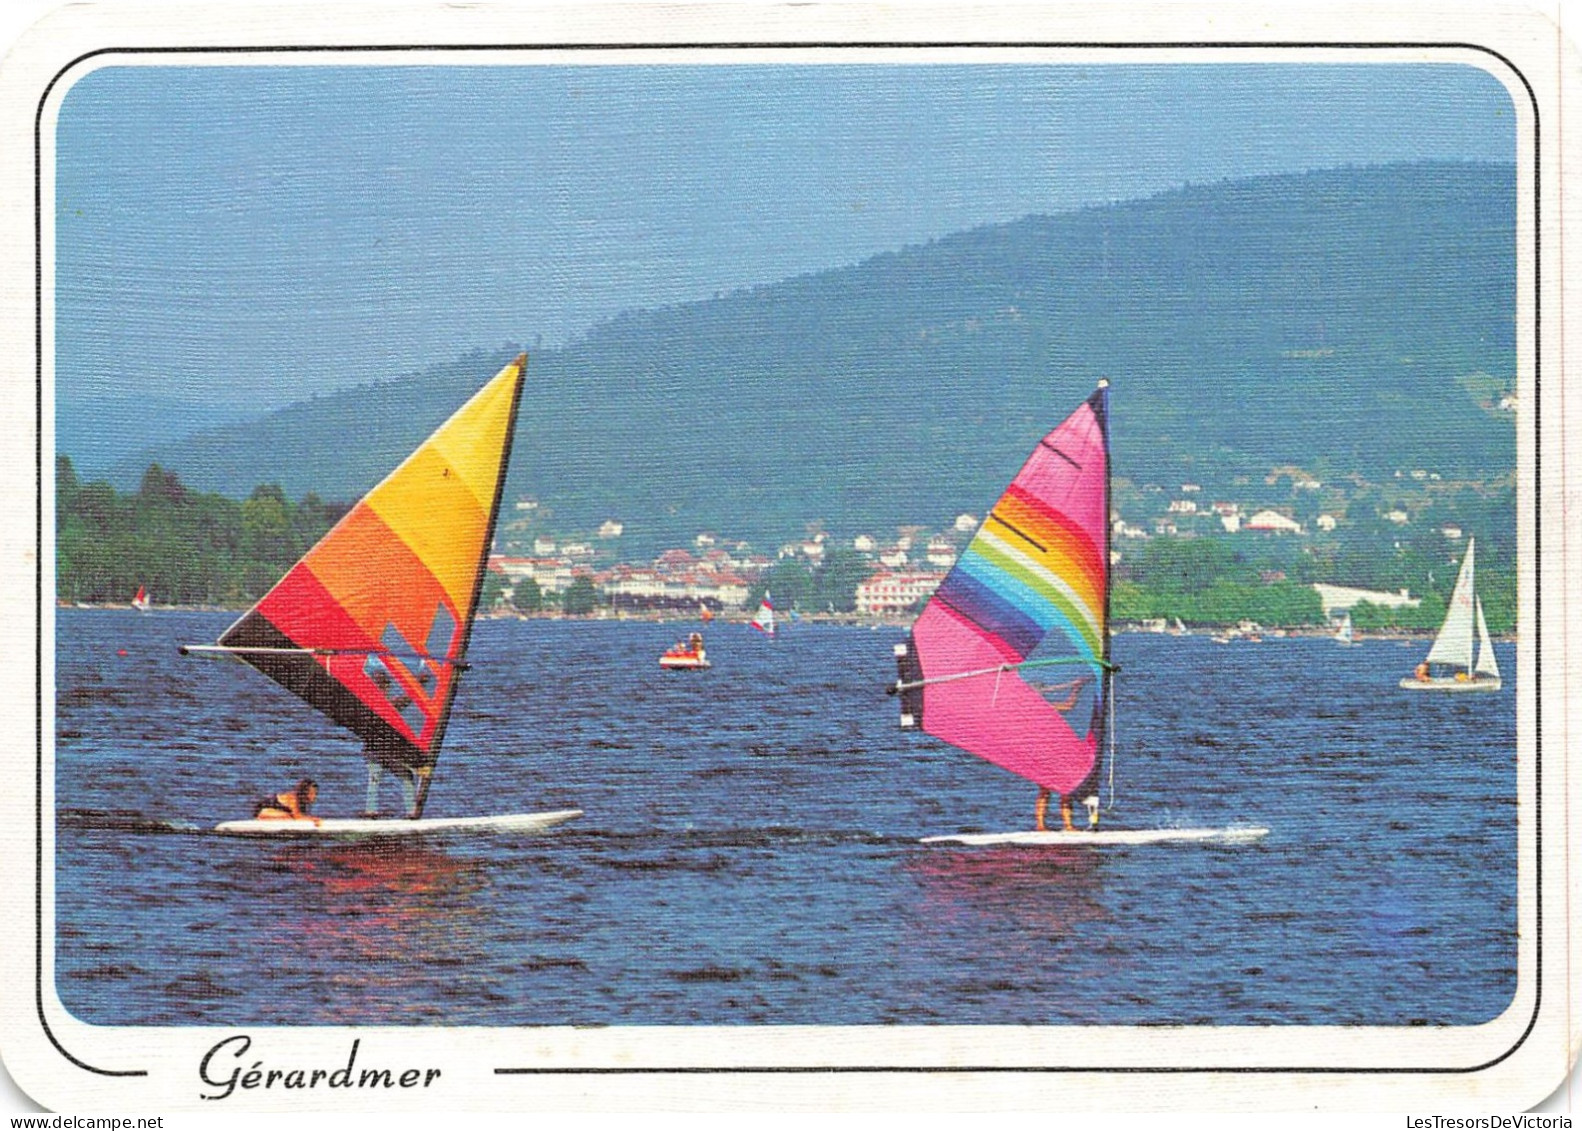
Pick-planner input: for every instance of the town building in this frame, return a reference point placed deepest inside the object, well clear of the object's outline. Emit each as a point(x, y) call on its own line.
point(892, 592)
point(643, 588)
point(940, 553)
point(551, 575)
point(1272, 522)
point(1337, 599)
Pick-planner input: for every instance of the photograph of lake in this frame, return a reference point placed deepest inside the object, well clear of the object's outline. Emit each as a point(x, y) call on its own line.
point(597, 539)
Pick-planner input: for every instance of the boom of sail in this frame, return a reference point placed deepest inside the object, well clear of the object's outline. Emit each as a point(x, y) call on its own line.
point(371, 626)
point(1035, 578)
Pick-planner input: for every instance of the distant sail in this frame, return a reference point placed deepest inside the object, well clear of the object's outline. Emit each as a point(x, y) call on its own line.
point(141, 601)
point(764, 620)
point(1487, 664)
point(371, 626)
point(1038, 568)
point(1453, 645)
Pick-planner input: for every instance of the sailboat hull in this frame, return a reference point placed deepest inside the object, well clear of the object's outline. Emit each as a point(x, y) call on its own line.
point(362, 827)
point(1101, 838)
point(1483, 683)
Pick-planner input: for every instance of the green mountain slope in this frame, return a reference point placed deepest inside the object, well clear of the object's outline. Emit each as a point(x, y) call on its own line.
point(1350, 320)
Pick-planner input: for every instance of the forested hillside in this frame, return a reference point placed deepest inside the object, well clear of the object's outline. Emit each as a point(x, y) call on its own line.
point(1349, 322)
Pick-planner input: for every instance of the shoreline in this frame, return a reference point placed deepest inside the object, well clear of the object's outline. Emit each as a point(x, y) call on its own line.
point(853, 620)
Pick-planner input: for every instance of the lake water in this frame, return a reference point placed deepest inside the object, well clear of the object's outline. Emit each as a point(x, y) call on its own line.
point(749, 852)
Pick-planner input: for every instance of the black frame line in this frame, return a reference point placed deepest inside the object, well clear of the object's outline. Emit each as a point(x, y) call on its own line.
point(854, 46)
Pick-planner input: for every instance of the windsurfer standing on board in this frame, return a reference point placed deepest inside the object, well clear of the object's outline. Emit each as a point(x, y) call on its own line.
point(292, 805)
point(1041, 807)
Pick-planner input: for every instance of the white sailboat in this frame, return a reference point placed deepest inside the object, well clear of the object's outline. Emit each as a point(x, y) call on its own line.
point(764, 620)
point(1343, 635)
point(1450, 665)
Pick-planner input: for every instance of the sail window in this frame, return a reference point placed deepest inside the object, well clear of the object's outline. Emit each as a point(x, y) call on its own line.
point(426, 679)
point(411, 712)
point(395, 644)
point(441, 634)
point(375, 670)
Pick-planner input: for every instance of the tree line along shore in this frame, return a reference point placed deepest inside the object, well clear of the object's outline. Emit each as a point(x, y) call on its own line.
point(194, 549)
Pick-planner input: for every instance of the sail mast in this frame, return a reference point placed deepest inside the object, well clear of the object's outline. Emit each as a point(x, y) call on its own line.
point(1105, 729)
point(1472, 596)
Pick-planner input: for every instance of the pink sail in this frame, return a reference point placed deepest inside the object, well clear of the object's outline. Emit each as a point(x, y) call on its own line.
point(1037, 571)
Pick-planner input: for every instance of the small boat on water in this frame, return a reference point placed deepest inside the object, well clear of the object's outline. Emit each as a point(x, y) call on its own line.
point(1247, 631)
point(686, 655)
point(1450, 665)
point(764, 619)
point(141, 602)
point(1343, 634)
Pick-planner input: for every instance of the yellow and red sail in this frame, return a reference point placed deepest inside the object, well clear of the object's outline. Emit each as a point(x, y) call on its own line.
point(371, 626)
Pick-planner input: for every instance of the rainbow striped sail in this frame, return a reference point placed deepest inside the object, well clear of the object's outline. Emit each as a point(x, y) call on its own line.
point(1035, 578)
point(371, 626)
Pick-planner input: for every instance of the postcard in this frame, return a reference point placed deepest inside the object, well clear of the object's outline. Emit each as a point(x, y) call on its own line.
point(819, 557)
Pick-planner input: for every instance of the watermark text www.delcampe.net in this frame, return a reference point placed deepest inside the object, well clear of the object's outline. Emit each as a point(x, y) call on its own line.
point(89, 1122)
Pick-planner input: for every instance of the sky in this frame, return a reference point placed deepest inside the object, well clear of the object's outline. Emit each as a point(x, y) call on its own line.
point(250, 234)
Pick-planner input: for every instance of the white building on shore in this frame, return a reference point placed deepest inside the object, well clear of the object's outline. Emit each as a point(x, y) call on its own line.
point(551, 575)
point(1337, 599)
point(642, 587)
point(891, 592)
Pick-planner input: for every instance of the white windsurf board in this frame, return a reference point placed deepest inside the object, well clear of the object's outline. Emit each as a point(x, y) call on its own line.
point(353, 827)
point(1099, 838)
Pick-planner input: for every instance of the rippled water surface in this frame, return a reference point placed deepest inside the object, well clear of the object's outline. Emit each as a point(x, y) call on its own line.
point(749, 851)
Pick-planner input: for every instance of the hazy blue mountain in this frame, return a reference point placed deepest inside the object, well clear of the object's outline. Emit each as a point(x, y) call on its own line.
point(1357, 319)
point(108, 435)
